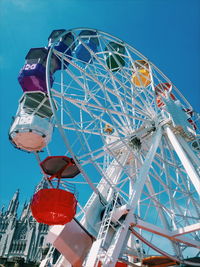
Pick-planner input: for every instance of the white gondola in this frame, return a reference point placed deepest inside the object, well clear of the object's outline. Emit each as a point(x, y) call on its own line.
point(32, 127)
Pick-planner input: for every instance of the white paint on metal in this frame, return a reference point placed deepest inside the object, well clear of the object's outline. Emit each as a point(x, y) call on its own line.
point(184, 159)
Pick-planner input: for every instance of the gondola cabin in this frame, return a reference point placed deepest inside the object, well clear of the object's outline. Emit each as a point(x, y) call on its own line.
point(141, 75)
point(32, 76)
point(115, 56)
point(32, 127)
point(59, 167)
point(53, 206)
point(36, 103)
point(88, 44)
point(64, 44)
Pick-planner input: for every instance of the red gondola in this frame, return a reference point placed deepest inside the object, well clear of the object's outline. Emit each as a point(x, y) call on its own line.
point(53, 206)
point(60, 167)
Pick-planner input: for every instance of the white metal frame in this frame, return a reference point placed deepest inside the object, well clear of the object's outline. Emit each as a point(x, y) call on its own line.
point(89, 96)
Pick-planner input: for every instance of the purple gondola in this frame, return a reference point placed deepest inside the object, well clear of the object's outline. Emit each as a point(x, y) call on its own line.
point(32, 76)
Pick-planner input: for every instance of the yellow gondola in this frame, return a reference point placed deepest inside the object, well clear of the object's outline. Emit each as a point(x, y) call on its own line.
point(141, 75)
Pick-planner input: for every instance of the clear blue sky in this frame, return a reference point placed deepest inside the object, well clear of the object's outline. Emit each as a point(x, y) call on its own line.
point(165, 31)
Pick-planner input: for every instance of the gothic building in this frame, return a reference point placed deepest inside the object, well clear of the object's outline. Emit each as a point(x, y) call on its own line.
point(21, 236)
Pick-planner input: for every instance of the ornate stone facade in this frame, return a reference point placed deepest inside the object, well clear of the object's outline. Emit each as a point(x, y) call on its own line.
point(21, 236)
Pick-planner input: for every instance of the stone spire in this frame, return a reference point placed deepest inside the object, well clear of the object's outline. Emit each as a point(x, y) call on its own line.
point(12, 209)
point(42, 185)
point(21, 236)
point(25, 210)
point(2, 210)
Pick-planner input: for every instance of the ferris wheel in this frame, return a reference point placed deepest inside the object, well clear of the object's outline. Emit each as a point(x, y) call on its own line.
point(128, 141)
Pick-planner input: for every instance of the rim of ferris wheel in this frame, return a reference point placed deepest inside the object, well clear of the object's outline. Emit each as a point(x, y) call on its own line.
point(161, 90)
point(53, 206)
point(141, 74)
point(130, 111)
point(37, 103)
point(159, 261)
point(114, 58)
point(59, 167)
point(86, 40)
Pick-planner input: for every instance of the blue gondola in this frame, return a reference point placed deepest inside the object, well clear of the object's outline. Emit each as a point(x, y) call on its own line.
point(88, 40)
point(64, 44)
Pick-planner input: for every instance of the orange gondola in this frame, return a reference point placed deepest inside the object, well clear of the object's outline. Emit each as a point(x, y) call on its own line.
point(141, 75)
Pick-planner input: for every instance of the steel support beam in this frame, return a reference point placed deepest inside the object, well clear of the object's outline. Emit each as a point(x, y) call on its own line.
point(187, 164)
